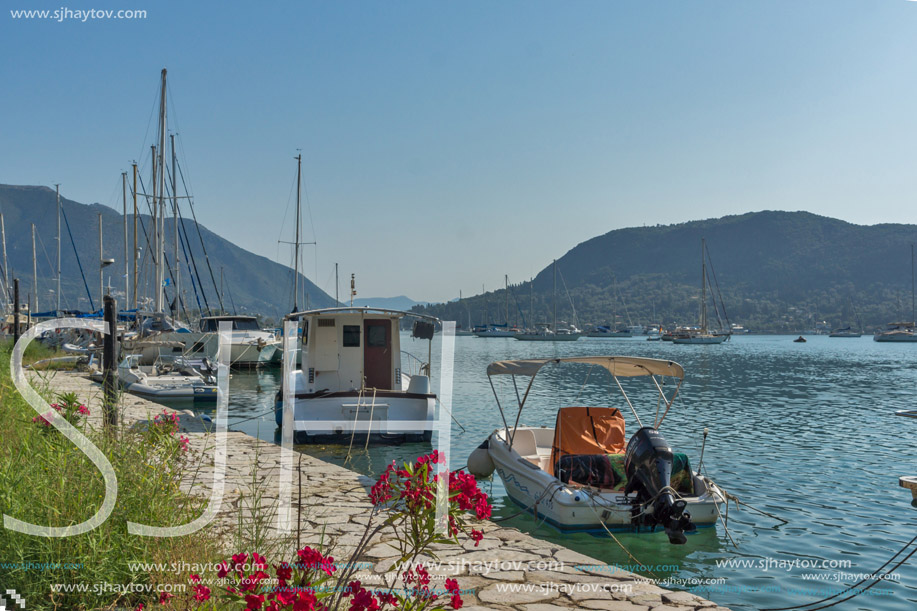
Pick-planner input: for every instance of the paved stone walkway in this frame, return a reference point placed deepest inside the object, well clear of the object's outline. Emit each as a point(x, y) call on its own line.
point(509, 570)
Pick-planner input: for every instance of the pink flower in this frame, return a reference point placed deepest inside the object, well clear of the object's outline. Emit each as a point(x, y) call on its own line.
point(164, 598)
point(476, 536)
point(254, 601)
point(201, 593)
point(44, 420)
point(194, 578)
point(184, 443)
point(83, 410)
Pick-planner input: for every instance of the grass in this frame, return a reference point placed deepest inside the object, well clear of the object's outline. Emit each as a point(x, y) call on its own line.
point(46, 480)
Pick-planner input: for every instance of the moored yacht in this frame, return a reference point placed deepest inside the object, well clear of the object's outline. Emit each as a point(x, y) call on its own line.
point(356, 382)
point(250, 345)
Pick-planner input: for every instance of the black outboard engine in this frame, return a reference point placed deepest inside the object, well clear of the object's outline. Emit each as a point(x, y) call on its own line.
point(648, 465)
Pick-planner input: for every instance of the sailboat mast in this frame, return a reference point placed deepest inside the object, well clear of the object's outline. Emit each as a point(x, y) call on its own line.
point(57, 189)
point(154, 226)
point(176, 254)
point(554, 299)
point(6, 276)
point(127, 277)
point(337, 285)
point(506, 291)
point(34, 305)
point(6, 269)
point(101, 264)
point(296, 241)
point(160, 242)
point(913, 315)
point(703, 286)
point(134, 292)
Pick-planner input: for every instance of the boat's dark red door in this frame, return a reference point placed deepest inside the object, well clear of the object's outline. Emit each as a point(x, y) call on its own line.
point(377, 354)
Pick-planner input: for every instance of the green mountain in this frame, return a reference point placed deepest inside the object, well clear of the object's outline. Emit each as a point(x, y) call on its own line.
point(250, 283)
point(776, 271)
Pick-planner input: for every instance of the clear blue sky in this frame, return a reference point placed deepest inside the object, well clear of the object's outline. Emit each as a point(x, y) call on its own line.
point(448, 143)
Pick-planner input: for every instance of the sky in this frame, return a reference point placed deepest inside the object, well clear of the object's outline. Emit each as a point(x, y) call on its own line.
point(446, 144)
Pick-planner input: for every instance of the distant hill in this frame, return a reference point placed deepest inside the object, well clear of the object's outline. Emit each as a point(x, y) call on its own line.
point(777, 271)
point(390, 303)
point(250, 283)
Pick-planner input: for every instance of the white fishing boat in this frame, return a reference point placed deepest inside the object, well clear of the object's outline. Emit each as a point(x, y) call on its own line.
point(356, 382)
point(583, 475)
point(701, 335)
point(147, 374)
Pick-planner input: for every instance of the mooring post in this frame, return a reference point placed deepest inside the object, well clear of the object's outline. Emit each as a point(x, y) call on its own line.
point(110, 372)
point(15, 310)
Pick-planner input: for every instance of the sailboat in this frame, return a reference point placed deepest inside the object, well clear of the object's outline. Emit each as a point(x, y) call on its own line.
point(701, 335)
point(504, 330)
point(469, 331)
point(902, 331)
point(552, 333)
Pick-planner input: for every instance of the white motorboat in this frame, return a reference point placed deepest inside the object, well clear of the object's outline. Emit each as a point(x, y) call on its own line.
point(583, 475)
point(356, 382)
point(148, 375)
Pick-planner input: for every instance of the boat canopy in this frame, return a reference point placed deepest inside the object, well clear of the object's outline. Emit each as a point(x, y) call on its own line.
point(618, 366)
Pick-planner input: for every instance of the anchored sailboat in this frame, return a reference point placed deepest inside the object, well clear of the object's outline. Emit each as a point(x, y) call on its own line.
point(701, 335)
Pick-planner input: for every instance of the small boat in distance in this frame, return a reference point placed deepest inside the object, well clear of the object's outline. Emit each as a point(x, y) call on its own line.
point(845, 332)
point(800, 340)
point(902, 331)
point(583, 475)
point(356, 383)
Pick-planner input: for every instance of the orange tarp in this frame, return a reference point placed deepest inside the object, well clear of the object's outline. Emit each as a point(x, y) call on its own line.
point(587, 430)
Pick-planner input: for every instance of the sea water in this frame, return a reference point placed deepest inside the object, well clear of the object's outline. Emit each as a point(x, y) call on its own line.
point(803, 431)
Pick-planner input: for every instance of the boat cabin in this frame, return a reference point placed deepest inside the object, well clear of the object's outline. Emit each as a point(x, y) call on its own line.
point(349, 349)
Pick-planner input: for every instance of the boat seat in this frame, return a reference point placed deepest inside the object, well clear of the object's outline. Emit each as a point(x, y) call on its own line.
point(525, 445)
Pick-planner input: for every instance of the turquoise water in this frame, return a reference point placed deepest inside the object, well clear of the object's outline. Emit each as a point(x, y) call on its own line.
point(803, 431)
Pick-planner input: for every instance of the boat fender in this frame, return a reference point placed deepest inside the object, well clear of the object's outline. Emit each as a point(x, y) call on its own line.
point(480, 464)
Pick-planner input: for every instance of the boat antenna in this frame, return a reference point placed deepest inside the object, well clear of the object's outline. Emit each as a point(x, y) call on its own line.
point(702, 446)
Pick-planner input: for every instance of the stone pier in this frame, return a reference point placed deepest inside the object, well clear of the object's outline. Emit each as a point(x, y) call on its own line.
point(509, 570)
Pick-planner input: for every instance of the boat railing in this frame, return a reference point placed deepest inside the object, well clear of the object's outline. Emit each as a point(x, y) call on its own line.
point(413, 366)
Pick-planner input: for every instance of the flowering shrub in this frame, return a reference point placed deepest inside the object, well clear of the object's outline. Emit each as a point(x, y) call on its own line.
point(68, 407)
point(163, 429)
point(312, 582)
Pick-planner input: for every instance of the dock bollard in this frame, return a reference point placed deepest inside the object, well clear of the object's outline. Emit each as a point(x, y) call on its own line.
point(109, 371)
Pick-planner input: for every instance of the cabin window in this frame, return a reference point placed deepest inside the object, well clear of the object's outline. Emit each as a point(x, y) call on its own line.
point(376, 337)
point(351, 336)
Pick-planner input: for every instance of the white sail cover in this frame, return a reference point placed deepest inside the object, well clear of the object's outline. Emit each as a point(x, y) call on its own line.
point(619, 366)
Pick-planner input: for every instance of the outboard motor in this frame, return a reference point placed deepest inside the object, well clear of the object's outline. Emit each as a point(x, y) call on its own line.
point(648, 465)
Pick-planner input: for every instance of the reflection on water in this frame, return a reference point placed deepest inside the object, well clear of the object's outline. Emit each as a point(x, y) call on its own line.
point(803, 431)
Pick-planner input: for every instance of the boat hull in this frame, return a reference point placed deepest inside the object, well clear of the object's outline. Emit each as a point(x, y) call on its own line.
point(389, 417)
point(579, 509)
point(901, 337)
point(701, 339)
